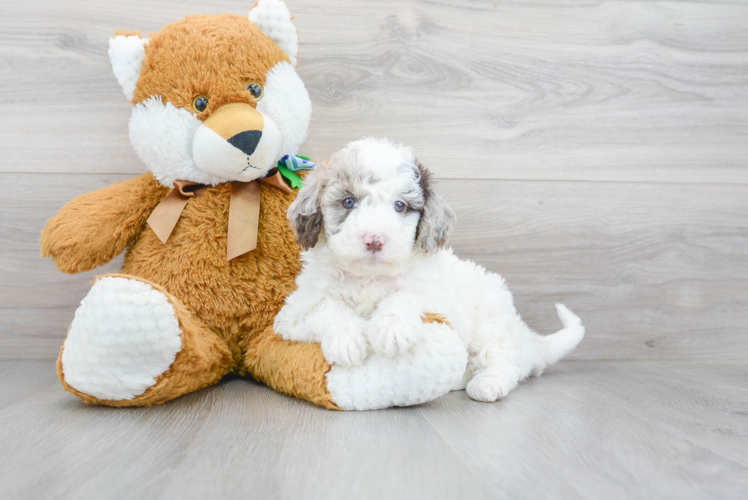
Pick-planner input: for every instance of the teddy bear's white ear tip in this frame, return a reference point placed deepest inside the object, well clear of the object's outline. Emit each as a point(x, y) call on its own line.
point(274, 19)
point(127, 54)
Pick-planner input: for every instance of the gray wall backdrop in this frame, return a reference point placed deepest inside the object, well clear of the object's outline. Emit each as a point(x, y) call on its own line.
point(596, 153)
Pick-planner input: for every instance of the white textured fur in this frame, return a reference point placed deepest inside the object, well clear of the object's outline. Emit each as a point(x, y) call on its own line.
point(175, 145)
point(354, 301)
point(286, 100)
point(126, 54)
point(162, 135)
point(429, 370)
point(274, 19)
point(124, 335)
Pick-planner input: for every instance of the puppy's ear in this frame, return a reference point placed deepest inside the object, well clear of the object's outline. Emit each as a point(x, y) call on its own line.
point(305, 213)
point(437, 217)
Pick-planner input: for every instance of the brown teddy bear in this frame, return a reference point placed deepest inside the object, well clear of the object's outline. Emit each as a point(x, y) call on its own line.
point(210, 256)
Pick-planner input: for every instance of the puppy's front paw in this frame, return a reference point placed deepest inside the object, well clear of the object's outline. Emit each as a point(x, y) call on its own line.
point(391, 334)
point(344, 345)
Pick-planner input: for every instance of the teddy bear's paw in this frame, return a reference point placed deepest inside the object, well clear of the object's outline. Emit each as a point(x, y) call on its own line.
point(344, 345)
point(429, 369)
point(125, 334)
point(489, 387)
point(390, 334)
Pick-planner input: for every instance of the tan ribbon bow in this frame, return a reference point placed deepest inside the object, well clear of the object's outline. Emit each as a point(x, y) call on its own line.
point(244, 211)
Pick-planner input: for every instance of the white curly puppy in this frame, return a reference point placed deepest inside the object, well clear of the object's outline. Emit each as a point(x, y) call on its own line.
point(372, 228)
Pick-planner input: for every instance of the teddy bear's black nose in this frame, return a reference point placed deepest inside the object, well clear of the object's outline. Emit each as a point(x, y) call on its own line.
point(246, 141)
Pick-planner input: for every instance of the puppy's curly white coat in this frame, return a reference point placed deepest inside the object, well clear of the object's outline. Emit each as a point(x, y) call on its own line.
point(373, 230)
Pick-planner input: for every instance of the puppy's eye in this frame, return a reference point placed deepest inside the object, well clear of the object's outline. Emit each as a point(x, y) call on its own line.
point(349, 203)
point(255, 89)
point(200, 103)
point(399, 206)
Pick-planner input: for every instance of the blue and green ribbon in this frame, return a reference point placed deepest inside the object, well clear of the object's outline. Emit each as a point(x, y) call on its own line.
point(290, 164)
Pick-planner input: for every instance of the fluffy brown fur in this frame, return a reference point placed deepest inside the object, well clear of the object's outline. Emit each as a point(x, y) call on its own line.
point(235, 299)
point(94, 228)
point(179, 64)
point(294, 368)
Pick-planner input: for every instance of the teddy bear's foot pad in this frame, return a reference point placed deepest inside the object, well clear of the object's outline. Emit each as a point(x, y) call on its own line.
point(125, 334)
point(431, 368)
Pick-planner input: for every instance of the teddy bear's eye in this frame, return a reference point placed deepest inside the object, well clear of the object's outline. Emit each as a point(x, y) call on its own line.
point(200, 103)
point(349, 203)
point(255, 89)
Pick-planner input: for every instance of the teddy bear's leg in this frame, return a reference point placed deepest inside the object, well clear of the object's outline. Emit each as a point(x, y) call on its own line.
point(134, 344)
point(430, 369)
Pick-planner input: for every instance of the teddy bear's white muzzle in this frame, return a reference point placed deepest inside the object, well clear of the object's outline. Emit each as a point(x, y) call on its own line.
point(237, 142)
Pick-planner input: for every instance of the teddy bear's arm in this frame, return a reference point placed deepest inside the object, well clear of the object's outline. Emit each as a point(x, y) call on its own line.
point(94, 228)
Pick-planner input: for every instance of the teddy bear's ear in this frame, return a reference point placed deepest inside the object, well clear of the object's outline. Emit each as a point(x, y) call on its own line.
point(126, 53)
point(274, 19)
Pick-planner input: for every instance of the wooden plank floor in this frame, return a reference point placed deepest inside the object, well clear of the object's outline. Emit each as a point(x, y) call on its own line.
point(583, 430)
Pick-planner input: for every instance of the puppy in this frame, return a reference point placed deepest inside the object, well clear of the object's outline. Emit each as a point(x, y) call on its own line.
point(373, 230)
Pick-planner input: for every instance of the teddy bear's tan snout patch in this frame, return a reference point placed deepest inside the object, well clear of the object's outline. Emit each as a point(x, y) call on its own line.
point(240, 124)
point(237, 142)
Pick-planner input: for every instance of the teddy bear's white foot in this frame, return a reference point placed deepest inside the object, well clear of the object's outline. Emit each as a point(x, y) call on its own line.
point(431, 368)
point(124, 335)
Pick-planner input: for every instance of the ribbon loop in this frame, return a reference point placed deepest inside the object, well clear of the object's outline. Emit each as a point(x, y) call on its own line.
point(275, 179)
point(190, 189)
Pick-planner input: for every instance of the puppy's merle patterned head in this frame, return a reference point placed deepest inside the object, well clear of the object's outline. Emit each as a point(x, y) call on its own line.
point(375, 202)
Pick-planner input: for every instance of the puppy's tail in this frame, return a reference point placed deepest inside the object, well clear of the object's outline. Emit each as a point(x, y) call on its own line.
point(554, 347)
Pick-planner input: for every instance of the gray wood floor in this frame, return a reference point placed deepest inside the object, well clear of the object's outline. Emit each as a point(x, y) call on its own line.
point(583, 430)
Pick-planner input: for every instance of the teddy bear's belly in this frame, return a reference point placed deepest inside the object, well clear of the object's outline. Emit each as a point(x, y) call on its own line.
point(237, 299)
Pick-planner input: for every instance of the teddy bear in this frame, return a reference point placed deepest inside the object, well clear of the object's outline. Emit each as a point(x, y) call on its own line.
point(218, 116)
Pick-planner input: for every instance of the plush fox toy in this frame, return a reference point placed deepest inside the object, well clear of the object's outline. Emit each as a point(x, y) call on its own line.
point(210, 256)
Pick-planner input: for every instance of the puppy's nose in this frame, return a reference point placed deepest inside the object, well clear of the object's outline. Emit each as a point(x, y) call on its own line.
point(373, 242)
